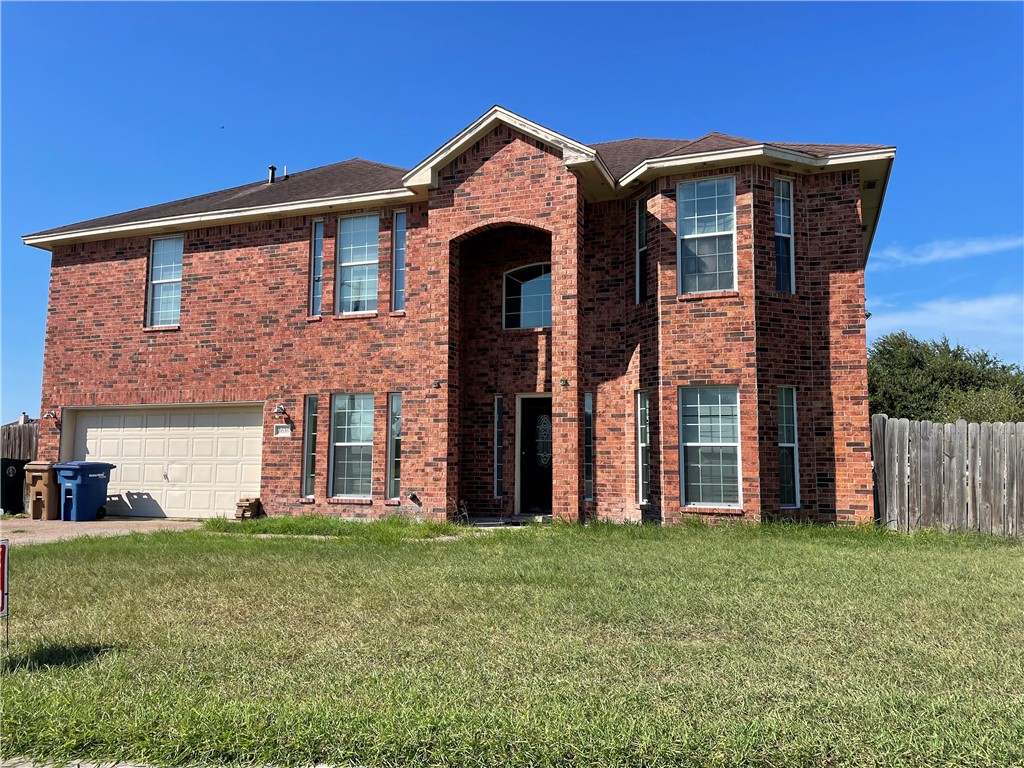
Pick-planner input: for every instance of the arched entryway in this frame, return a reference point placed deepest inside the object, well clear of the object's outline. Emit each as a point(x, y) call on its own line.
point(502, 278)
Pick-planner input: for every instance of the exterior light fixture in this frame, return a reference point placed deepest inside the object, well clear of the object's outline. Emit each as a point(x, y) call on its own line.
point(50, 414)
point(280, 411)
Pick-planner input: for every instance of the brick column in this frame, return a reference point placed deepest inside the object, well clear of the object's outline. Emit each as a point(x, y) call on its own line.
point(566, 391)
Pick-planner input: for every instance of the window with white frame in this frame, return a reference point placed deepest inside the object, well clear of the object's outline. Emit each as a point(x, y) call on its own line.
point(785, 277)
point(588, 446)
point(707, 235)
point(709, 427)
point(164, 299)
point(358, 250)
point(394, 445)
point(640, 265)
point(643, 448)
point(352, 445)
point(309, 420)
point(499, 446)
point(316, 267)
point(398, 263)
point(789, 452)
point(528, 297)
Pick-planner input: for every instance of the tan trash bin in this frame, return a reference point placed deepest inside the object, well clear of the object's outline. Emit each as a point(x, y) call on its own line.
point(43, 496)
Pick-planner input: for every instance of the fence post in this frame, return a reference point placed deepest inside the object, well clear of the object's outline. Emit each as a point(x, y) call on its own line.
point(879, 463)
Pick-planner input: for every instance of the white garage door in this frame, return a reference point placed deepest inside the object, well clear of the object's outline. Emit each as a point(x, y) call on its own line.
point(175, 462)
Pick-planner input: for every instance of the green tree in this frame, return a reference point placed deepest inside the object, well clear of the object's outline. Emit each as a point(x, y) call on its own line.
point(913, 379)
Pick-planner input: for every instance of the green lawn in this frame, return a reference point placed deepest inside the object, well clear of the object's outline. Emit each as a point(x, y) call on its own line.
point(564, 645)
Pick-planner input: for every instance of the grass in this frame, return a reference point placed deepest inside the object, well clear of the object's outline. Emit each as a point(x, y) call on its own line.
point(550, 646)
point(390, 530)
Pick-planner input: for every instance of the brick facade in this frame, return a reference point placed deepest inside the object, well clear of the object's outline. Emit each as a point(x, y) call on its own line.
point(507, 201)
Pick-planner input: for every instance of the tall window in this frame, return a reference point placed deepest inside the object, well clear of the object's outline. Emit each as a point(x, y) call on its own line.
point(394, 445)
point(398, 263)
point(643, 448)
point(789, 453)
point(641, 250)
point(588, 446)
point(164, 299)
point(707, 235)
point(309, 446)
point(785, 278)
point(499, 446)
point(352, 443)
point(709, 437)
point(528, 297)
point(358, 248)
point(316, 267)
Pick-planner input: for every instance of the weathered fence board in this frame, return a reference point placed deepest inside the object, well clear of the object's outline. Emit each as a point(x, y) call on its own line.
point(19, 441)
point(948, 476)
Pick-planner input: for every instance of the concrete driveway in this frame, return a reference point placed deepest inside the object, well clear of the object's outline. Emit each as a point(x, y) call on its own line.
point(43, 531)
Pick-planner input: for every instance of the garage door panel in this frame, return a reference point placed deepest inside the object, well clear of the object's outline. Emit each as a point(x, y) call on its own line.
point(133, 422)
point(183, 462)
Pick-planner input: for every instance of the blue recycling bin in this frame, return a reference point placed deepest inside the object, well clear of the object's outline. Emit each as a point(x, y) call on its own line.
point(83, 489)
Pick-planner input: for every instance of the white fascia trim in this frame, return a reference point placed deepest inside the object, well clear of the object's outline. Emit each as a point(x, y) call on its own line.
point(751, 153)
point(425, 174)
point(191, 221)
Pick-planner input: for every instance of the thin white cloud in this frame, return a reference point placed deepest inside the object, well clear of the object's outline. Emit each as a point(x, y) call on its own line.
point(896, 256)
point(995, 323)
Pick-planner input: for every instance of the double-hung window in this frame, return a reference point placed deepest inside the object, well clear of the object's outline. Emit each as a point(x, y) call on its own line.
point(352, 445)
point(164, 289)
point(394, 445)
point(316, 267)
point(785, 278)
point(643, 448)
point(789, 453)
point(309, 445)
point(709, 426)
point(707, 235)
point(398, 263)
point(640, 259)
point(358, 250)
point(528, 297)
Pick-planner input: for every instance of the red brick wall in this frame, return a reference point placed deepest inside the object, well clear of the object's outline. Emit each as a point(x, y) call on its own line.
point(245, 336)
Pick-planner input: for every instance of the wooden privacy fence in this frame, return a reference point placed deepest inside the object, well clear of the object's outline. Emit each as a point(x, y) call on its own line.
point(948, 476)
point(19, 441)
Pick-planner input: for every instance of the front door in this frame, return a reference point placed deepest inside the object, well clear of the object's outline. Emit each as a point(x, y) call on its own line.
point(535, 455)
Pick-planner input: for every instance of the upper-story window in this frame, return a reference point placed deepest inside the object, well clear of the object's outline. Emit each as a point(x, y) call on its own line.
point(164, 289)
point(316, 267)
point(358, 249)
point(528, 297)
point(640, 260)
point(398, 263)
point(785, 278)
point(707, 235)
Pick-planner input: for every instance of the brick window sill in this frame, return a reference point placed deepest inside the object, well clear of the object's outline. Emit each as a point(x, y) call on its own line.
point(707, 295)
point(397, 313)
point(343, 500)
point(307, 500)
point(354, 316)
point(392, 502)
point(160, 328)
point(314, 318)
point(536, 331)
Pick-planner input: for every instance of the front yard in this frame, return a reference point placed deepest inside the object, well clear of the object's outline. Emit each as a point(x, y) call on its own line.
point(598, 646)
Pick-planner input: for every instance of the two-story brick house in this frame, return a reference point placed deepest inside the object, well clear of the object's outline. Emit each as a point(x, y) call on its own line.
point(639, 329)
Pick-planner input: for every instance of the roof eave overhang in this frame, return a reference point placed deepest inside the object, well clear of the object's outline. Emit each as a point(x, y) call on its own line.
point(598, 180)
point(875, 164)
point(216, 218)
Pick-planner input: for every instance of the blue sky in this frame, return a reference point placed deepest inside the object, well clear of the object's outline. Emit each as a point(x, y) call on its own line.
point(108, 107)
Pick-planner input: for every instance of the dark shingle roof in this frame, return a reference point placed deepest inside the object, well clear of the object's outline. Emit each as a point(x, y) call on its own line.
point(625, 155)
point(351, 177)
point(358, 176)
